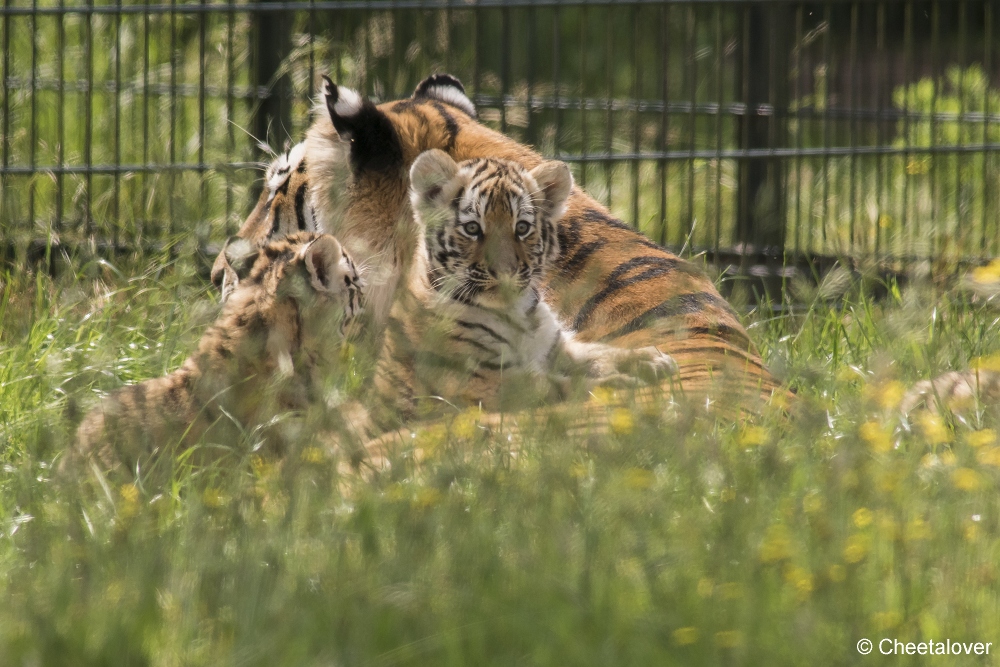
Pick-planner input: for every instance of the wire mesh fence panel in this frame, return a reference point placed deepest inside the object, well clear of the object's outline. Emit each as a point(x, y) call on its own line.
point(769, 129)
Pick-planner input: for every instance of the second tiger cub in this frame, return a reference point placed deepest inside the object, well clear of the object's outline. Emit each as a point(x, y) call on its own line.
point(471, 327)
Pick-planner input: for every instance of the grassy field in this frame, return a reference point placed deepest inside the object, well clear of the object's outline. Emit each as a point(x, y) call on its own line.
point(675, 539)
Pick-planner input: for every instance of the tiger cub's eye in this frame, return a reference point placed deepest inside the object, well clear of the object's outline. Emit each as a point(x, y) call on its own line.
point(522, 228)
point(472, 228)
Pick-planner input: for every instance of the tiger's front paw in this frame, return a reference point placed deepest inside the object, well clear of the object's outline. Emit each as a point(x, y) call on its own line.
point(649, 365)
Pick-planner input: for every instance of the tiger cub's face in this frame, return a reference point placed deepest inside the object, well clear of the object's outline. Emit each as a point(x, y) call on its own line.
point(489, 225)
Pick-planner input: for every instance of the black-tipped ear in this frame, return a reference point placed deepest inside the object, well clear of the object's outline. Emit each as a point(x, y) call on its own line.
point(375, 144)
point(445, 88)
point(322, 257)
point(233, 265)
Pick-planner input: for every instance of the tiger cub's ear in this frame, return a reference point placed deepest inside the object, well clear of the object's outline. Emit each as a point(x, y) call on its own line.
point(233, 265)
point(433, 183)
point(322, 258)
point(374, 142)
point(555, 183)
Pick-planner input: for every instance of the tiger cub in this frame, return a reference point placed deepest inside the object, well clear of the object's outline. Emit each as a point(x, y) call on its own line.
point(264, 355)
point(471, 326)
point(284, 207)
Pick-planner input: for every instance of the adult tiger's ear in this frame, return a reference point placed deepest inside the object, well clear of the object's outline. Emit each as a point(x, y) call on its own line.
point(322, 257)
point(375, 144)
point(233, 265)
point(445, 88)
point(555, 183)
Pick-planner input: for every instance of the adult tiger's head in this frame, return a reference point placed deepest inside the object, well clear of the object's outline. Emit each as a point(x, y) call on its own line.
point(489, 226)
point(284, 208)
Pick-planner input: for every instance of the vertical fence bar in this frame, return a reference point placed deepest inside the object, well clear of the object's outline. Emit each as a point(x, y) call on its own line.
point(760, 222)
point(692, 81)
point(664, 165)
point(88, 128)
point(556, 80)
point(203, 229)
point(230, 107)
point(961, 185)
point(988, 74)
point(172, 147)
point(827, 76)
point(583, 98)
point(60, 114)
point(720, 109)
point(934, 159)
point(852, 122)
point(33, 127)
point(797, 94)
point(907, 51)
point(273, 115)
point(880, 74)
point(636, 91)
point(117, 142)
point(5, 128)
point(145, 122)
point(608, 164)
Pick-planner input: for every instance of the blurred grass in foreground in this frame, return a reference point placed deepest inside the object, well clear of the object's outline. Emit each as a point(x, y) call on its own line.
point(675, 539)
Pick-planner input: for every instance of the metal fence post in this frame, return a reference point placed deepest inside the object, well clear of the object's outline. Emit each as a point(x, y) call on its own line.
point(760, 223)
point(273, 116)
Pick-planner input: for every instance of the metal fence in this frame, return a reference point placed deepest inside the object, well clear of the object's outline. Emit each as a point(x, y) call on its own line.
point(775, 129)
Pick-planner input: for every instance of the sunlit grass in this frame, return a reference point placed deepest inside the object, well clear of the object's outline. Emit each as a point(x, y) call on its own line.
point(674, 539)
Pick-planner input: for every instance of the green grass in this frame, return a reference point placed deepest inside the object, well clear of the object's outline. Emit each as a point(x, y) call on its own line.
point(676, 539)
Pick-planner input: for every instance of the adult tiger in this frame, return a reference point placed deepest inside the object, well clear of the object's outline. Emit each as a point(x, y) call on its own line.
point(611, 283)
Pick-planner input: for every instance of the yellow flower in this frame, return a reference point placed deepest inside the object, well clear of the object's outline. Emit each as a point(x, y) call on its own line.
point(862, 517)
point(890, 394)
point(801, 580)
point(885, 221)
point(213, 498)
point(934, 429)
point(987, 436)
point(312, 455)
point(777, 545)
point(987, 274)
point(972, 532)
point(965, 479)
point(705, 587)
point(753, 436)
point(916, 166)
point(857, 548)
point(812, 503)
point(990, 363)
point(603, 396)
point(621, 421)
point(465, 423)
point(426, 497)
point(837, 573)
point(877, 437)
point(727, 494)
point(129, 493)
point(685, 636)
point(989, 456)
